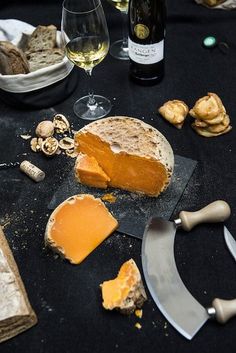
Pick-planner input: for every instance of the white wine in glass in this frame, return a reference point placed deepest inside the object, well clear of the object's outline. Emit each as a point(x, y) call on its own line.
point(86, 41)
point(119, 49)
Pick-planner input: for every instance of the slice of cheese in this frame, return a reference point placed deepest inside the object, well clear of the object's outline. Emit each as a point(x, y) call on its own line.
point(16, 313)
point(135, 156)
point(77, 226)
point(126, 292)
point(88, 172)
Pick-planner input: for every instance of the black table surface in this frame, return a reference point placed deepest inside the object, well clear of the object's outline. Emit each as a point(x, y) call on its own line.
point(67, 298)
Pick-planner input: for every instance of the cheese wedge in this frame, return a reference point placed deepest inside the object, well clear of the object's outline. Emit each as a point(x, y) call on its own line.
point(134, 155)
point(16, 313)
point(88, 172)
point(126, 292)
point(77, 226)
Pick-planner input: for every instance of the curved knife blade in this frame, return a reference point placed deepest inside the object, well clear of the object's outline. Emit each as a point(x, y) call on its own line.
point(173, 299)
point(230, 242)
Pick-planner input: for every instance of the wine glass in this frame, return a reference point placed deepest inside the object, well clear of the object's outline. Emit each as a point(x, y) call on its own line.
point(119, 49)
point(86, 41)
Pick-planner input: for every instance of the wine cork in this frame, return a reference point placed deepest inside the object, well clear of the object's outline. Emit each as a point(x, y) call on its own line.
point(32, 171)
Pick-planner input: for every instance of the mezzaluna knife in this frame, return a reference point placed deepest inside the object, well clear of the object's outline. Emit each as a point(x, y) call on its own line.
point(173, 299)
point(230, 242)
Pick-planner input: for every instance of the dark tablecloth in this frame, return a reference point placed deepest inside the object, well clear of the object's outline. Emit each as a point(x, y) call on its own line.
point(67, 298)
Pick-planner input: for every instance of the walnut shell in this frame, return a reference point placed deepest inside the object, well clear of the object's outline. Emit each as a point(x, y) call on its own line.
point(50, 146)
point(61, 124)
point(66, 143)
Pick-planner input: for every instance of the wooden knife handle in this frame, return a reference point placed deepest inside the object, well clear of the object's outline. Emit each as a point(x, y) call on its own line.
point(224, 309)
point(217, 211)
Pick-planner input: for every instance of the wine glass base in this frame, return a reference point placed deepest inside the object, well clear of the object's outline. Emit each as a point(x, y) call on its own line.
point(96, 111)
point(118, 51)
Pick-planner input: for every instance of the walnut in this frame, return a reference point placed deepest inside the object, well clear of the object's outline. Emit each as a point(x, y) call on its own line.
point(50, 146)
point(175, 112)
point(45, 129)
point(61, 124)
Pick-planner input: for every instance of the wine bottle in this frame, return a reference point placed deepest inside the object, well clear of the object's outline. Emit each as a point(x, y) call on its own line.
point(146, 40)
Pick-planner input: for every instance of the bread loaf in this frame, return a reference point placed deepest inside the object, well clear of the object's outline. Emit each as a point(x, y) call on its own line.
point(43, 38)
point(12, 60)
point(16, 314)
point(38, 60)
point(134, 155)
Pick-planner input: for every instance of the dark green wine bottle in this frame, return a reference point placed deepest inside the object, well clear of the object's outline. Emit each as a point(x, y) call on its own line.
point(146, 40)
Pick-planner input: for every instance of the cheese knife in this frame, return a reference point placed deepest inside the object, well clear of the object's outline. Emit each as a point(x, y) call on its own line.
point(173, 299)
point(230, 242)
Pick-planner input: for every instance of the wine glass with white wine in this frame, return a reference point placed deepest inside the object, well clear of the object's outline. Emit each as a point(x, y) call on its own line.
point(119, 49)
point(86, 41)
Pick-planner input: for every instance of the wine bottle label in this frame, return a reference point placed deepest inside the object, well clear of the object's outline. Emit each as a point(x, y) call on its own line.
point(146, 54)
point(141, 31)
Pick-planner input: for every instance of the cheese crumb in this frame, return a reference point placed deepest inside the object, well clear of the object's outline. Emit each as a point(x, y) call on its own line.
point(139, 313)
point(109, 198)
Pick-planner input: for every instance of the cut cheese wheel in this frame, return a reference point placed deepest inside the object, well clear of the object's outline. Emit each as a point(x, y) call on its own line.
point(77, 226)
point(88, 172)
point(126, 292)
point(134, 155)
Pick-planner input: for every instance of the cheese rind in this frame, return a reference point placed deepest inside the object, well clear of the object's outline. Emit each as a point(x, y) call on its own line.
point(126, 292)
point(135, 156)
point(77, 226)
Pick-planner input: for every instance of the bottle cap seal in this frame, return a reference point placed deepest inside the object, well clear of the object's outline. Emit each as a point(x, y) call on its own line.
point(209, 42)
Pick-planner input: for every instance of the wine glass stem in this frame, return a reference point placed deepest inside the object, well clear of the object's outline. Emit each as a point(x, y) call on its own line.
point(91, 100)
point(124, 28)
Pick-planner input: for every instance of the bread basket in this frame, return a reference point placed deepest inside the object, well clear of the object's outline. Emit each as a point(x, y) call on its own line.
point(39, 89)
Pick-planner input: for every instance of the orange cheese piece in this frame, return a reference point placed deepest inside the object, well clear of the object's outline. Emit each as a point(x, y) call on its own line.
point(88, 172)
point(134, 155)
point(77, 226)
point(125, 292)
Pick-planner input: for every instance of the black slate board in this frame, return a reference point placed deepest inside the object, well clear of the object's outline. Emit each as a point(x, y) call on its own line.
point(132, 210)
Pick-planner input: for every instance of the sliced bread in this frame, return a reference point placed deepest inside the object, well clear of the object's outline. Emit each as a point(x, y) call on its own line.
point(41, 59)
point(12, 60)
point(42, 38)
point(16, 313)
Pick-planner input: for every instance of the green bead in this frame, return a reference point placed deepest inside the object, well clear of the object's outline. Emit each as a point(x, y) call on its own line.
point(209, 42)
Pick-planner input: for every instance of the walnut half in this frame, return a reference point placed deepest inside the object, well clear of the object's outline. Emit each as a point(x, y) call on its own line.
point(50, 146)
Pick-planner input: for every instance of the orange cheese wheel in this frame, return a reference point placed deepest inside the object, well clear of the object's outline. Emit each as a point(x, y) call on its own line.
point(134, 155)
point(77, 226)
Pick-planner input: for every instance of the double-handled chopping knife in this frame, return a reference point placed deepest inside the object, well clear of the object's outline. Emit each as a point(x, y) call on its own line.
point(173, 299)
point(230, 242)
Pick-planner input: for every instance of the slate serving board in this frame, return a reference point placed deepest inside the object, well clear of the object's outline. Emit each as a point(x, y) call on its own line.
point(132, 210)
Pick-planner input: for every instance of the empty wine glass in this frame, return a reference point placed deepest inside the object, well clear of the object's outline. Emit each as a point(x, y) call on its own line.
point(86, 41)
point(119, 49)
